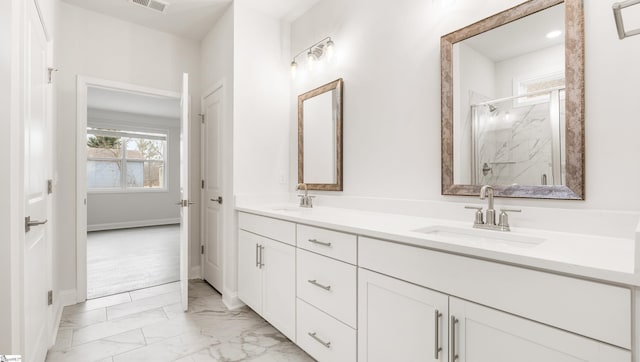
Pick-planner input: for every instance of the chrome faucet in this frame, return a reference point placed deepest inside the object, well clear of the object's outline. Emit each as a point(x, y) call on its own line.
point(487, 192)
point(305, 199)
point(489, 221)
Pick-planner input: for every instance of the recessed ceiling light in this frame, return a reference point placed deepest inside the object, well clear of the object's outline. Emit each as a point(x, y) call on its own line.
point(554, 34)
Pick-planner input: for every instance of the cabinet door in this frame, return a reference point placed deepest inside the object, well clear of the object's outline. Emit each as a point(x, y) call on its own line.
point(481, 334)
point(249, 274)
point(279, 286)
point(397, 320)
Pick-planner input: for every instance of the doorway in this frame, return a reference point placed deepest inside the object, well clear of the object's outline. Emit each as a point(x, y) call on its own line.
point(130, 163)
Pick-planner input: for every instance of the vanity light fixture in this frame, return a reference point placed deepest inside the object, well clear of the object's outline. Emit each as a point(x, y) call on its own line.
point(329, 49)
point(314, 54)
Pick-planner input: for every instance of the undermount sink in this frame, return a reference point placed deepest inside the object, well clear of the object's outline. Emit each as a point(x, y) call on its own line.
point(476, 237)
point(290, 209)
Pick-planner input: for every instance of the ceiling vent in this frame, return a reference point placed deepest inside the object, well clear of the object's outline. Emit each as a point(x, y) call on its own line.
point(156, 5)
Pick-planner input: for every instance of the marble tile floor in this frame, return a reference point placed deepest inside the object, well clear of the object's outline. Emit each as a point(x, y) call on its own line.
point(149, 325)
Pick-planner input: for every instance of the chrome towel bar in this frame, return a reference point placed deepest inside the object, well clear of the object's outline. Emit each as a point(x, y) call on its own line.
point(617, 14)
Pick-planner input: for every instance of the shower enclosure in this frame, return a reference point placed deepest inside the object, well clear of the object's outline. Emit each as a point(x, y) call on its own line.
point(519, 140)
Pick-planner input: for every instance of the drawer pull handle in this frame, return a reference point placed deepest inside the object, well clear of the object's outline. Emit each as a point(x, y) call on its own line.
point(452, 327)
point(314, 336)
point(319, 242)
point(436, 352)
point(315, 282)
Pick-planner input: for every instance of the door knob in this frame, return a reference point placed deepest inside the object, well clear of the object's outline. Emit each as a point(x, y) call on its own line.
point(218, 200)
point(28, 223)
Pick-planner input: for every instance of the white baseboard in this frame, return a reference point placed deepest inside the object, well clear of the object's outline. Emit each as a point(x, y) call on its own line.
point(132, 224)
point(62, 299)
point(195, 272)
point(231, 300)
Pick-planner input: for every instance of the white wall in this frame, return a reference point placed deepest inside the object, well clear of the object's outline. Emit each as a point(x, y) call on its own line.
point(472, 72)
point(541, 62)
point(112, 210)
point(390, 61)
point(261, 101)
point(94, 45)
point(217, 65)
point(260, 117)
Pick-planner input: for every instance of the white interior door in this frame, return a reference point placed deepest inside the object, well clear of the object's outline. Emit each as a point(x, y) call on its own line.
point(37, 263)
point(184, 189)
point(212, 190)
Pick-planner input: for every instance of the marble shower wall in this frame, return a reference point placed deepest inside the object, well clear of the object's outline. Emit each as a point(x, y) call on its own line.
point(515, 143)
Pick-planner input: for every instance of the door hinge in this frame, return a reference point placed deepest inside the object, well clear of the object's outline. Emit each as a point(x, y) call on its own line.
point(203, 184)
point(201, 117)
point(50, 297)
point(49, 187)
point(202, 249)
point(51, 70)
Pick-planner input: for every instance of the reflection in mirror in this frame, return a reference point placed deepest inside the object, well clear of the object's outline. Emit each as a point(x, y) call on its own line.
point(320, 137)
point(506, 92)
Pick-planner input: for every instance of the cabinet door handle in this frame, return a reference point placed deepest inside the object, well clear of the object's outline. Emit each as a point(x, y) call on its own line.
point(315, 282)
point(257, 255)
point(452, 327)
point(315, 241)
point(261, 256)
point(436, 352)
point(314, 336)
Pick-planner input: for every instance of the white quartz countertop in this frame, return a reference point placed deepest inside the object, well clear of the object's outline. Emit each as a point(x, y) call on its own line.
point(601, 258)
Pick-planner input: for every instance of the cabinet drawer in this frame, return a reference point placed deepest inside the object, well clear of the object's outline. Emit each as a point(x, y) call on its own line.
point(328, 284)
point(595, 310)
point(334, 244)
point(275, 229)
point(324, 337)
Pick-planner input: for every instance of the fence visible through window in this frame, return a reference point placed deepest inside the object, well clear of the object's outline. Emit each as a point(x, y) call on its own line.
point(124, 160)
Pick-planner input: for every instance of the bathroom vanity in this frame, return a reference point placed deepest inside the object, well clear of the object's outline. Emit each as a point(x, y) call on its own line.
point(349, 285)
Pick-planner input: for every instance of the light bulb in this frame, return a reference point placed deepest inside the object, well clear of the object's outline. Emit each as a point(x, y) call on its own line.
point(311, 59)
point(329, 49)
point(294, 69)
point(554, 34)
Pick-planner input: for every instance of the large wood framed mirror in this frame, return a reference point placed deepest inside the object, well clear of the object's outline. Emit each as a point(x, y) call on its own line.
point(320, 137)
point(513, 103)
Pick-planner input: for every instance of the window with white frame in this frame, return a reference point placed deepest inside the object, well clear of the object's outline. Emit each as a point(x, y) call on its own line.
point(121, 160)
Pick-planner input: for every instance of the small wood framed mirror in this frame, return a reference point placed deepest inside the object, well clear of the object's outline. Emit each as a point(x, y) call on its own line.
point(320, 137)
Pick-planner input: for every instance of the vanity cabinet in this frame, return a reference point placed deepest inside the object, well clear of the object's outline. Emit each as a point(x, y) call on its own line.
point(266, 274)
point(345, 297)
point(399, 321)
point(531, 315)
point(459, 330)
